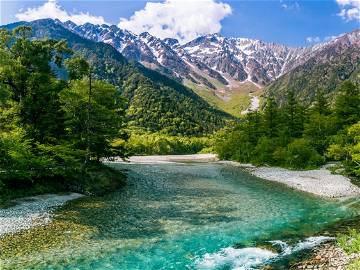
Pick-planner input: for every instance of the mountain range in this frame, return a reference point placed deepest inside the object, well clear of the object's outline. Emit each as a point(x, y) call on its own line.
point(185, 88)
point(225, 70)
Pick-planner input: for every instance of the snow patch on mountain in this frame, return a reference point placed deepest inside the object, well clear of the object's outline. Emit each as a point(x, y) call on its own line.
point(211, 59)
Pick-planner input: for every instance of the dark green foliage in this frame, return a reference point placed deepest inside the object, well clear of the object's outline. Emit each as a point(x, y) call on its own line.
point(141, 143)
point(93, 126)
point(271, 116)
point(297, 137)
point(346, 147)
point(301, 155)
point(293, 117)
point(77, 68)
point(347, 104)
point(42, 118)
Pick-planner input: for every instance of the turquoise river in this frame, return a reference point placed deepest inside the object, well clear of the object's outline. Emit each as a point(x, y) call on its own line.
point(180, 216)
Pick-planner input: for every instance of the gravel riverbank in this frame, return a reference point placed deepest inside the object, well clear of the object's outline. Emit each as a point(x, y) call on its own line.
point(167, 159)
point(320, 182)
point(31, 211)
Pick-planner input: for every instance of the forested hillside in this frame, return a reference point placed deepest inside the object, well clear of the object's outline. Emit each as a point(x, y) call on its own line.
point(155, 102)
point(299, 137)
point(327, 68)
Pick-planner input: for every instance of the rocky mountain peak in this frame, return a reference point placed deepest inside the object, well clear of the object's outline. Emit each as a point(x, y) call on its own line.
point(211, 59)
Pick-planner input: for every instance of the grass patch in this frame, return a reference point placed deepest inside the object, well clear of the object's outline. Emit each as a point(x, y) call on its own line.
point(355, 265)
point(350, 242)
point(237, 100)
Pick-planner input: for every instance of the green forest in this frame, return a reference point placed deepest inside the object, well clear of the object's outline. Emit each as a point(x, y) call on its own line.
point(54, 132)
point(298, 137)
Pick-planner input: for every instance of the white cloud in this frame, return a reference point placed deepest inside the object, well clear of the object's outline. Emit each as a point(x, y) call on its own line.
point(180, 19)
point(328, 38)
point(53, 10)
point(316, 39)
point(350, 9)
point(313, 40)
point(290, 5)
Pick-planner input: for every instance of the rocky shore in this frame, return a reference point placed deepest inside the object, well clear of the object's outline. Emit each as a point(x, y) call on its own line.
point(31, 211)
point(320, 182)
point(327, 256)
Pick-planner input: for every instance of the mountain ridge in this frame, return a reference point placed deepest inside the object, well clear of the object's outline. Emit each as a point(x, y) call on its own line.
point(156, 102)
point(219, 68)
point(274, 58)
point(228, 72)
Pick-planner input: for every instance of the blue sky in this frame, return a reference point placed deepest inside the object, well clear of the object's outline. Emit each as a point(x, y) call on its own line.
point(295, 23)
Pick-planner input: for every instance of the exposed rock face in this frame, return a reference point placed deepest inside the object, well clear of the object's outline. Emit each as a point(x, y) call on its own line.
point(204, 58)
point(321, 66)
point(214, 62)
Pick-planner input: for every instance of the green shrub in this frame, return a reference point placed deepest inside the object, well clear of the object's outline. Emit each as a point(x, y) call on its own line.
point(263, 151)
point(349, 242)
point(300, 154)
point(355, 265)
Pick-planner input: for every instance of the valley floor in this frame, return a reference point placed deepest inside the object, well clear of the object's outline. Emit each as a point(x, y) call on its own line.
point(320, 182)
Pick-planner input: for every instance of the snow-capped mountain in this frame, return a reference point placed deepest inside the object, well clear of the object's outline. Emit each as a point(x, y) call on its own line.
point(205, 61)
point(210, 61)
point(323, 66)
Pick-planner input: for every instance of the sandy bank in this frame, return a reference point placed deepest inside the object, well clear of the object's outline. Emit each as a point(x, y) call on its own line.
point(320, 182)
point(31, 211)
point(169, 158)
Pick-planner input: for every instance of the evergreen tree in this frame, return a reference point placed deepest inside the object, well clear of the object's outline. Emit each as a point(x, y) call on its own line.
point(347, 104)
point(41, 116)
point(320, 124)
point(33, 84)
point(321, 104)
point(107, 112)
point(294, 116)
point(271, 117)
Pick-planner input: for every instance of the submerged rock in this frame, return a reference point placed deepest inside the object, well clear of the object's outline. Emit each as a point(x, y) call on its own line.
point(274, 247)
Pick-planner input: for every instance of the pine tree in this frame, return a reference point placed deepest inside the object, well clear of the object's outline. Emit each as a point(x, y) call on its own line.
point(347, 104)
point(106, 121)
point(321, 104)
point(271, 117)
point(294, 115)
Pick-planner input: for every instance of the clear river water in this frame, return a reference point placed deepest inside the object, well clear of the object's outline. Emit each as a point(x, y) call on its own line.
point(180, 216)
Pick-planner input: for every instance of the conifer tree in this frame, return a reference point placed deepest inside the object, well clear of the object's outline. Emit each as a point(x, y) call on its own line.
point(271, 117)
point(347, 104)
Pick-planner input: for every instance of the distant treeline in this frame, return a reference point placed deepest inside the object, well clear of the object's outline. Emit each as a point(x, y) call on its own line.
point(145, 143)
